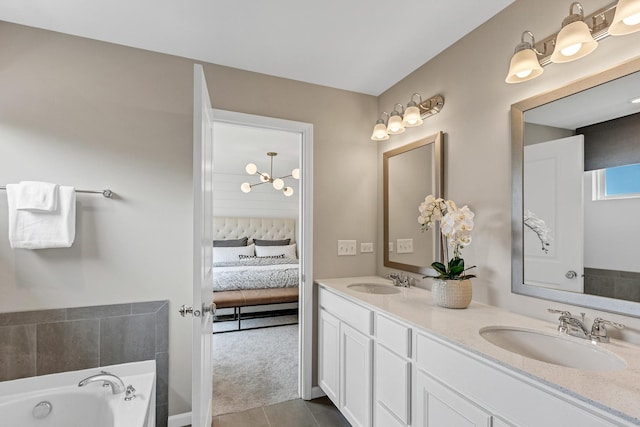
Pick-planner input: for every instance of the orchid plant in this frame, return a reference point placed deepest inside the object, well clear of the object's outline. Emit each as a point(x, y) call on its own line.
point(456, 225)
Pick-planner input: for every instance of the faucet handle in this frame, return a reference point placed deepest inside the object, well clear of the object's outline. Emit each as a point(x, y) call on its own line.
point(599, 331)
point(561, 312)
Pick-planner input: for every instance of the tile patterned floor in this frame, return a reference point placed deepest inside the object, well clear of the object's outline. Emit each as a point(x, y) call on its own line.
point(294, 413)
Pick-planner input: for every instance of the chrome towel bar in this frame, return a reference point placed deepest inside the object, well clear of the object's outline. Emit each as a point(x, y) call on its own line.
point(105, 193)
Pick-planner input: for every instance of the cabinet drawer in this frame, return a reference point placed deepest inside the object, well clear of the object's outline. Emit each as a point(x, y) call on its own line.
point(393, 335)
point(357, 316)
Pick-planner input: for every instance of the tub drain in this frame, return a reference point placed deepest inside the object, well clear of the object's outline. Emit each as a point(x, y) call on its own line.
point(41, 410)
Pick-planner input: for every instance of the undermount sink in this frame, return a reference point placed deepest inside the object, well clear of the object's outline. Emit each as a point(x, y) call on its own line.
point(555, 349)
point(374, 288)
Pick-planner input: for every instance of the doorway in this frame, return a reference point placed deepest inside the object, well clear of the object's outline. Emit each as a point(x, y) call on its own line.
point(298, 145)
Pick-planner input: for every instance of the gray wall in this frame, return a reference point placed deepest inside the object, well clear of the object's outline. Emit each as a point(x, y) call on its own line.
point(44, 342)
point(470, 75)
point(94, 115)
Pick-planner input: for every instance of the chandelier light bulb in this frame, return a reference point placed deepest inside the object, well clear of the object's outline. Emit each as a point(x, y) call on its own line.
point(288, 191)
point(295, 173)
point(251, 168)
point(278, 184)
point(264, 177)
point(245, 187)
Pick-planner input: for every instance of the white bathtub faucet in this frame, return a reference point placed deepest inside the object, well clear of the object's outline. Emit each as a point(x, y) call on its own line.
point(107, 379)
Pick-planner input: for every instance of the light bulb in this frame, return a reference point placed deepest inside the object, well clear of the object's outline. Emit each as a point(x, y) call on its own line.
point(523, 74)
point(288, 191)
point(571, 50)
point(295, 173)
point(412, 117)
point(632, 20)
point(245, 187)
point(380, 132)
point(395, 125)
point(251, 169)
point(278, 184)
point(264, 177)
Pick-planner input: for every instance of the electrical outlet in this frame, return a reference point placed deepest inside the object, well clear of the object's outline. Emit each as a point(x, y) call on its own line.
point(366, 248)
point(405, 246)
point(346, 247)
point(390, 246)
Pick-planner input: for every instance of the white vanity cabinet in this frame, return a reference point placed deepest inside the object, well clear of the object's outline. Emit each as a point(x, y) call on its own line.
point(383, 371)
point(345, 356)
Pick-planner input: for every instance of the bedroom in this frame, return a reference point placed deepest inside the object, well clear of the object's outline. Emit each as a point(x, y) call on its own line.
point(256, 267)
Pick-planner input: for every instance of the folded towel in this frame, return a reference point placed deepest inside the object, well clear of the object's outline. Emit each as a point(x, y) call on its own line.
point(42, 229)
point(37, 196)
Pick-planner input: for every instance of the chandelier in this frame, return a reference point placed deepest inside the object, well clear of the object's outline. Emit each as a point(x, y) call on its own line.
point(278, 183)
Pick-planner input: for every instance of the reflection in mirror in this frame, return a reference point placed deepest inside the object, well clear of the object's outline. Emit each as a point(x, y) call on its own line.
point(576, 193)
point(411, 172)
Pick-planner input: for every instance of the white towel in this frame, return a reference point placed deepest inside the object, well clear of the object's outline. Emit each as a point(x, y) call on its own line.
point(37, 196)
point(42, 229)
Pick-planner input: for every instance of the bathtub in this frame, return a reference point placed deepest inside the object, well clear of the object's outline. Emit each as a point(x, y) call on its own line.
point(25, 402)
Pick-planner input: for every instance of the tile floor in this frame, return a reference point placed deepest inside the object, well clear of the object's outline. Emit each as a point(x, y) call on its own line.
point(293, 413)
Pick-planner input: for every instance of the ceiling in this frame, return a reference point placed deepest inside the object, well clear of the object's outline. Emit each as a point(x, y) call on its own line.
point(363, 46)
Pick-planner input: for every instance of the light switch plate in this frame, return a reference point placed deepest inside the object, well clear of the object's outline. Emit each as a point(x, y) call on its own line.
point(346, 247)
point(405, 246)
point(366, 248)
point(390, 246)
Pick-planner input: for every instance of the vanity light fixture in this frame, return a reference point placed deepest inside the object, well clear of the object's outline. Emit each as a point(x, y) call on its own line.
point(574, 40)
point(278, 183)
point(578, 37)
point(524, 62)
point(402, 118)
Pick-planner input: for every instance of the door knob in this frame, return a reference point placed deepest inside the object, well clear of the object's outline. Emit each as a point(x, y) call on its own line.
point(188, 309)
point(571, 274)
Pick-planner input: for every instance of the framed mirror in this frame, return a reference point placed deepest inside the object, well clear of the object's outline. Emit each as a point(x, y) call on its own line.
point(410, 173)
point(576, 192)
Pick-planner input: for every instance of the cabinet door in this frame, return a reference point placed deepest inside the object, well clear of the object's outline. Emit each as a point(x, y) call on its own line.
point(392, 383)
point(329, 355)
point(438, 405)
point(355, 376)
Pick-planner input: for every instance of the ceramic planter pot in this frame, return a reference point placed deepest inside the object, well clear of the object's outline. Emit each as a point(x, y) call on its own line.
point(451, 293)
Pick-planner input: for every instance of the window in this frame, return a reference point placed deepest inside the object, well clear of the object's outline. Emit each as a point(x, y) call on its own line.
point(621, 182)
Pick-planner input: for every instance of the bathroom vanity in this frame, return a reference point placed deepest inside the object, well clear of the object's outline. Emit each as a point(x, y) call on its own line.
point(389, 357)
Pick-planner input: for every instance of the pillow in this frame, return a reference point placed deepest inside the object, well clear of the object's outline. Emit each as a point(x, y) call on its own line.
point(258, 257)
point(228, 254)
point(289, 251)
point(230, 243)
point(260, 242)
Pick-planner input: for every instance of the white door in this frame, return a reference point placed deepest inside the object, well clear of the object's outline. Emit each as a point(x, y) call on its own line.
point(202, 374)
point(553, 207)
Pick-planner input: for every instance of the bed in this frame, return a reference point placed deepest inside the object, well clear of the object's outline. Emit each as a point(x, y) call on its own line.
point(255, 267)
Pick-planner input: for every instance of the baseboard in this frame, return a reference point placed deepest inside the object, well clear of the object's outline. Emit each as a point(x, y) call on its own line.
point(317, 392)
point(179, 420)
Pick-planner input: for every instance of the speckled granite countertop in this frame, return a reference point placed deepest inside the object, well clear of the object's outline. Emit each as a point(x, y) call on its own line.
point(617, 392)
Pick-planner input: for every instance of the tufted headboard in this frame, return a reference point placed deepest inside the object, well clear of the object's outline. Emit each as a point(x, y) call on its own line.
point(254, 228)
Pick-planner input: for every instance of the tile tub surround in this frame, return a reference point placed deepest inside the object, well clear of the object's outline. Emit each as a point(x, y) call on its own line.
point(616, 392)
point(50, 341)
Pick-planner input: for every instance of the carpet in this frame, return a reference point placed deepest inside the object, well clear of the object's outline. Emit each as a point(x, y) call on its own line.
point(254, 368)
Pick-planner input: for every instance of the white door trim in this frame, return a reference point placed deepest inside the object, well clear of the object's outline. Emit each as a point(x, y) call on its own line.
point(306, 232)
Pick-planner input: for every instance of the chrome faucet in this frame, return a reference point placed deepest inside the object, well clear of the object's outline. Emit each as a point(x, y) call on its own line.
point(399, 279)
point(107, 379)
point(573, 326)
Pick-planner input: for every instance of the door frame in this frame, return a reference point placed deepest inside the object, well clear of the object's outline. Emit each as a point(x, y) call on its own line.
point(305, 217)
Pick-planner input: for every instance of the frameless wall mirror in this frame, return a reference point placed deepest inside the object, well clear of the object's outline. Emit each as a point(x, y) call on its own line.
point(576, 192)
point(410, 173)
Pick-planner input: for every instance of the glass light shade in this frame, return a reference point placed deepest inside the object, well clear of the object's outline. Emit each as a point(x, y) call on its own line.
point(411, 117)
point(635, 101)
point(278, 184)
point(380, 133)
point(288, 191)
point(574, 41)
point(295, 173)
point(524, 66)
point(264, 177)
point(395, 125)
point(251, 168)
point(626, 19)
point(245, 187)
